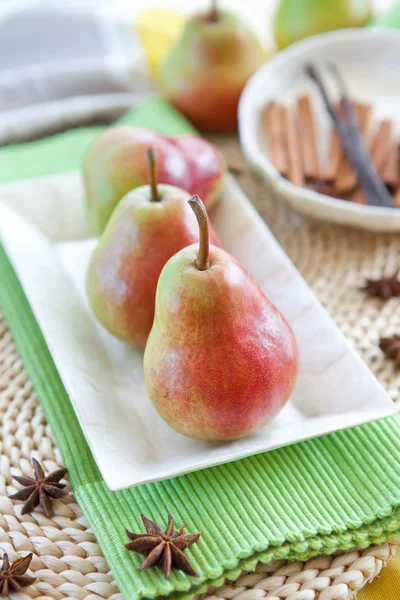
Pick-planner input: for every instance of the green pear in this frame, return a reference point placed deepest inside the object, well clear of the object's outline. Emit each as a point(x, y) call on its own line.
point(298, 19)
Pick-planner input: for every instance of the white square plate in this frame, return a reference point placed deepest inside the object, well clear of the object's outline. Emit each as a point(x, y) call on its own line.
point(104, 378)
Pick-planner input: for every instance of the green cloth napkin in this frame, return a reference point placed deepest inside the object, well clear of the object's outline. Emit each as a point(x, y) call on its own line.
point(63, 152)
point(332, 493)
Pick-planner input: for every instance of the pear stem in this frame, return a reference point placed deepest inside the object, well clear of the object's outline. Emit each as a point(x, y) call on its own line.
point(203, 255)
point(151, 166)
point(214, 13)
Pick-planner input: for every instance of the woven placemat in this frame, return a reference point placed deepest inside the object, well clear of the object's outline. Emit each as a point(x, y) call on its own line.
point(67, 561)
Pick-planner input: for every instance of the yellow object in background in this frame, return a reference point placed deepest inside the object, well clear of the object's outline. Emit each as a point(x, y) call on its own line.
point(158, 30)
point(387, 585)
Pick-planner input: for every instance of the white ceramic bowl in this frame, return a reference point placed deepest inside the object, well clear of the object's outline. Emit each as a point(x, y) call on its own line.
point(369, 60)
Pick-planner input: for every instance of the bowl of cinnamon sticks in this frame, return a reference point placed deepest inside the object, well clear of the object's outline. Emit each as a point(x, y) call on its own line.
point(320, 123)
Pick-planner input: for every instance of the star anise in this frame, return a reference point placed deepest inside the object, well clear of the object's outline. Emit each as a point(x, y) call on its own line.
point(391, 347)
point(163, 549)
point(13, 578)
point(385, 287)
point(40, 490)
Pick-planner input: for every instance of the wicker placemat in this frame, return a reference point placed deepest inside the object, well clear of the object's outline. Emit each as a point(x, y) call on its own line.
point(334, 261)
point(67, 561)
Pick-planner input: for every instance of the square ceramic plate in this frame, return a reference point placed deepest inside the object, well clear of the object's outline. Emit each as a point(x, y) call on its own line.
point(104, 378)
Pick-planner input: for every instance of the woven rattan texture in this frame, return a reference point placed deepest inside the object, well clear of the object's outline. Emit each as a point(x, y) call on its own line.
point(335, 261)
point(67, 561)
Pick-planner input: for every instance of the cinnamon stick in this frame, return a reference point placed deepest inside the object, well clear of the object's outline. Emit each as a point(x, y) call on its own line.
point(307, 137)
point(346, 178)
point(334, 157)
point(390, 172)
point(359, 197)
point(380, 145)
point(396, 197)
point(379, 149)
point(273, 129)
point(335, 153)
point(295, 167)
point(328, 189)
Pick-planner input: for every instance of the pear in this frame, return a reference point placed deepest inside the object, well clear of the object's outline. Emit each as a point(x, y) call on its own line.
point(205, 72)
point(115, 164)
point(298, 19)
point(220, 360)
point(149, 225)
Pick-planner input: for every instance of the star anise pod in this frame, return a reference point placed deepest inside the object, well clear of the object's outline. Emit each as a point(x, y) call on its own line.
point(13, 578)
point(163, 549)
point(385, 287)
point(40, 490)
point(391, 347)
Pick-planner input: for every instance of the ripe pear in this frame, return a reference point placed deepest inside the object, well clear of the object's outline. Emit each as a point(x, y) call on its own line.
point(220, 360)
point(205, 72)
point(149, 225)
point(115, 163)
point(298, 19)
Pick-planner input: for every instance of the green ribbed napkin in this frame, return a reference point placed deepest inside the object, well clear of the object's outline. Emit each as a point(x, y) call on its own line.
point(331, 493)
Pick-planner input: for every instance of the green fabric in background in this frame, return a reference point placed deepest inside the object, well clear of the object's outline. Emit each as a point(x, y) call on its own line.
point(323, 495)
point(63, 152)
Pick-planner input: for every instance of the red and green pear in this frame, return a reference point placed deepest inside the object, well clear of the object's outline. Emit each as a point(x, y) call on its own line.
point(221, 360)
point(115, 163)
point(149, 225)
point(205, 72)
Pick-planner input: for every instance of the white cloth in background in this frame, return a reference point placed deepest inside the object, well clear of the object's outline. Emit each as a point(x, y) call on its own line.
point(61, 64)
point(64, 62)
